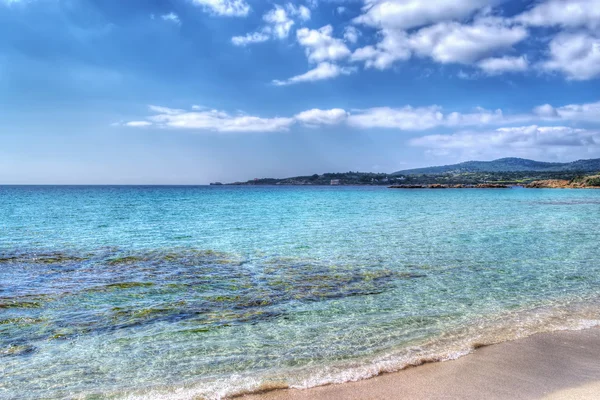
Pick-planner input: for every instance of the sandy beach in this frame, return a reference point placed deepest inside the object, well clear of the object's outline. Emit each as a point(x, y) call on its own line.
point(557, 365)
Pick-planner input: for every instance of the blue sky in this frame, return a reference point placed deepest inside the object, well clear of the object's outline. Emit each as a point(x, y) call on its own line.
point(193, 91)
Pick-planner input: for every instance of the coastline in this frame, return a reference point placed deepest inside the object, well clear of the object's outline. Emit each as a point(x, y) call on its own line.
point(554, 365)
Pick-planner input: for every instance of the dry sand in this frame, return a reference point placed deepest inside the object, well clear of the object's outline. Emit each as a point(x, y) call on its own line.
point(558, 365)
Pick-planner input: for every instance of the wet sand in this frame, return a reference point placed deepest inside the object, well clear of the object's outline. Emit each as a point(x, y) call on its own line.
point(557, 365)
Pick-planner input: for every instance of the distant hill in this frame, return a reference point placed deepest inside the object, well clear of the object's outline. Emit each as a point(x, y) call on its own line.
point(507, 165)
point(505, 171)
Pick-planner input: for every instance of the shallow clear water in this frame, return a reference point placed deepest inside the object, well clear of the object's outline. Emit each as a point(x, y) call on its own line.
point(148, 292)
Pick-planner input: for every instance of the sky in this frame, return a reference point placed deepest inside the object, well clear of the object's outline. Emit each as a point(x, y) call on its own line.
point(196, 91)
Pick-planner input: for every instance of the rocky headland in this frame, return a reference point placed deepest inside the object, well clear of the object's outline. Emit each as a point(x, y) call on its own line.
point(457, 186)
point(580, 182)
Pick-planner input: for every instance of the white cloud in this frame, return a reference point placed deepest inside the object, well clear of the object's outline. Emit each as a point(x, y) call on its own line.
point(351, 34)
point(279, 23)
point(368, 54)
point(577, 55)
point(407, 118)
point(444, 42)
point(301, 11)
point(214, 120)
point(254, 37)
point(545, 111)
point(565, 13)
point(393, 47)
point(499, 65)
point(588, 112)
point(317, 117)
point(524, 141)
point(421, 118)
point(230, 8)
point(320, 45)
point(165, 110)
point(341, 9)
point(138, 124)
point(480, 116)
point(171, 17)
point(322, 71)
point(406, 14)
point(451, 42)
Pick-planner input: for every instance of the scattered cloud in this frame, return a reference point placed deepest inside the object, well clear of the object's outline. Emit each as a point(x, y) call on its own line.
point(249, 38)
point(320, 45)
point(351, 34)
point(499, 65)
point(407, 118)
point(466, 75)
point(523, 140)
point(452, 42)
point(213, 120)
point(545, 111)
point(316, 117)
point(165, 110)
point(577, 55)
point(229, 8)
point(588, 112)
point(481, 116)
point(444, 42)
point(393, 47)
point(171, 17)
point(563, 13)
point(422, 118)
point(278, 24)
point(438, 31)
point(300, 11)
point(406, 14)
point(138, 124)
point(324, 70)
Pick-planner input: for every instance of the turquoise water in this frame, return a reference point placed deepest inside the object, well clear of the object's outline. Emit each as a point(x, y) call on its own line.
point(176, 292)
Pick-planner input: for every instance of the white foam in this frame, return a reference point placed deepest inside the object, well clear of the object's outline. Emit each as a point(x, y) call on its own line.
point(450, 346)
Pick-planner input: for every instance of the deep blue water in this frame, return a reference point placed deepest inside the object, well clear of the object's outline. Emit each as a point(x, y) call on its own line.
point(147, 292)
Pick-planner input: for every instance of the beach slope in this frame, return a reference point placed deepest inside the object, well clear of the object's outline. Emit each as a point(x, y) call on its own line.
point(557, 365)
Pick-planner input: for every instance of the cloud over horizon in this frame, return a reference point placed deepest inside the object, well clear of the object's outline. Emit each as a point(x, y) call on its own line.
point(407, 118)
point(541, 141)
point(319, 84)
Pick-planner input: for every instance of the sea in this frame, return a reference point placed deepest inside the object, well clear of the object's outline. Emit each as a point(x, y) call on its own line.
point(204, 292)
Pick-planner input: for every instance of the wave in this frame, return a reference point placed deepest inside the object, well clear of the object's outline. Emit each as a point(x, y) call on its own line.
point(189, 292)
point(450, 345)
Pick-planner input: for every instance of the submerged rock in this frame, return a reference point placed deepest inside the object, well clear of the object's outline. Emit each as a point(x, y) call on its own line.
point(11, 303)
point(17, 350)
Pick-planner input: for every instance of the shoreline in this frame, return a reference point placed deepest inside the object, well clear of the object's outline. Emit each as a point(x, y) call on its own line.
point(554, 365)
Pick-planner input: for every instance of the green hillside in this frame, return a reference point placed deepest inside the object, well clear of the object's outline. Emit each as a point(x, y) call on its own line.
point(506, 165)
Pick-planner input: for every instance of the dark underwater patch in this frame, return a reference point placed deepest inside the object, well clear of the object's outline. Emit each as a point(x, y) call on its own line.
point(113, 289)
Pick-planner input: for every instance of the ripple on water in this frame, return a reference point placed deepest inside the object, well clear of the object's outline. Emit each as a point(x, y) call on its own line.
point(112, 290)
point(303, 286)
